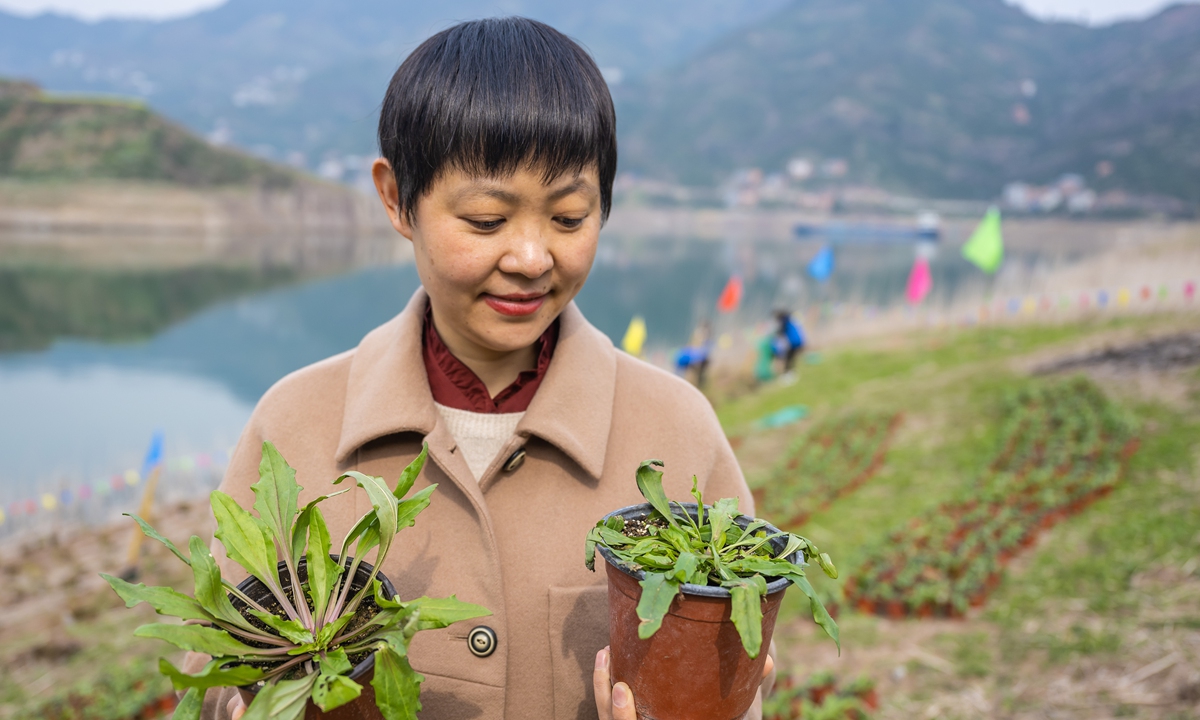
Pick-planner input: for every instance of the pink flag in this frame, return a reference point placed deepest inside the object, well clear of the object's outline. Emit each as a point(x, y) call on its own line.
point(920, 282)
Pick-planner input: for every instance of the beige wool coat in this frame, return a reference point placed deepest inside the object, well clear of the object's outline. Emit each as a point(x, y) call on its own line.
point(513, 541)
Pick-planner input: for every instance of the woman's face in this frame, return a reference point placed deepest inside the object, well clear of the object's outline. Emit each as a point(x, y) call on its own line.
point(499, 257)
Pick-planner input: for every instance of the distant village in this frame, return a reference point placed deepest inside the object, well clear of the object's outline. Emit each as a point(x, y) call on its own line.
point(825, 186)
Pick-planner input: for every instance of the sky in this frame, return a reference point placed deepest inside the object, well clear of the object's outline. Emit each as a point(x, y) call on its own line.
point(1095, 12)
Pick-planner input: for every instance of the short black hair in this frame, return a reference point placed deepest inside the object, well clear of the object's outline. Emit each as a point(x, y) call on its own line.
point(492, 96)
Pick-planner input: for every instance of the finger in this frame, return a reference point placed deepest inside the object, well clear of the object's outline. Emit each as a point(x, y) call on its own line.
point(768, 666)
point(235, 707)
point(622, 703)
point(602, 685)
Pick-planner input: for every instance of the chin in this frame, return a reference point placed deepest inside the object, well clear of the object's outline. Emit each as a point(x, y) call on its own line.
point(512, 336)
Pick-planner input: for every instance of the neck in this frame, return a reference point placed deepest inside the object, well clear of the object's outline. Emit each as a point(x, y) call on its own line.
point(497, 369)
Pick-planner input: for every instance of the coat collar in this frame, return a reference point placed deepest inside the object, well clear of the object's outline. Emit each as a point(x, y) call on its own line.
point(387, 390)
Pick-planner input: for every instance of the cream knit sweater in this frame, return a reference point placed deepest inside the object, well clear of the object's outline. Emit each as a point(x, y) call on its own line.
point(480, 436)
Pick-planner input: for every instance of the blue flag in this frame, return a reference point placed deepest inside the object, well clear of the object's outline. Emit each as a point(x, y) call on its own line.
point(154, 454)
point(821, 266)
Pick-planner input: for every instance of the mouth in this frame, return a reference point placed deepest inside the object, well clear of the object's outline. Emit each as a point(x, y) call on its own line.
point(516, 304)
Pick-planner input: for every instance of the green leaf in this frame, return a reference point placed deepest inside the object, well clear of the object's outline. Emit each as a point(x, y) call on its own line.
point(384, 504)
point(685, 567)
point(699, 501)
point(246, 539)
point(720, 520)
point(212, 675)
point(335, 662)
point(407, 510)
point(326, 634)
point(190, 706)
point(284, 700)
point(276, 495)
point(657, 593)
point(409, 476)
point(209, 590)
point(819, 613)
point(747, 612)
point(649, 482)
point(323, 570)
point(589, 548)
point(164, 600)
point(334, 691)
point(300, 529)
point(154, 535)
point(397, 685)
point(827, 565)
point(356, 532)
point(290, 629)
point(197, 638)
point(435, 613)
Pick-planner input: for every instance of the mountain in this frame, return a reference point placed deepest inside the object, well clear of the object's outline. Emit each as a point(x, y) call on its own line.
point(64, 138)
point(945, 98)
point(302, 80)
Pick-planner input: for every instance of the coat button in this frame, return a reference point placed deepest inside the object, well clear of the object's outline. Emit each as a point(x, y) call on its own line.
point(514, 461)
point(482, 641)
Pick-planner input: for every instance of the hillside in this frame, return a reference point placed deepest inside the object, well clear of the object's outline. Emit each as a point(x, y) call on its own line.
point(63, 138)
point(950, 98)
point(304, 78)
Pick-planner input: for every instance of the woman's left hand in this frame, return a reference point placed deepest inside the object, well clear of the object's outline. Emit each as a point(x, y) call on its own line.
point(615, 702)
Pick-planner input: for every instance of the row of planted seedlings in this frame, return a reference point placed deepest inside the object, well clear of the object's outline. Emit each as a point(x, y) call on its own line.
point(833, 458)
point(1061, 447)
point(820, 696)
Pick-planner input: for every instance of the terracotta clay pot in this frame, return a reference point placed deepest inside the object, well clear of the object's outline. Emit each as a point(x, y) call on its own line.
point(694, 667)
point(361, 708)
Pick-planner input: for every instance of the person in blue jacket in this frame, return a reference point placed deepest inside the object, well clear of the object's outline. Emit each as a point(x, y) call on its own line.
point(789, 339)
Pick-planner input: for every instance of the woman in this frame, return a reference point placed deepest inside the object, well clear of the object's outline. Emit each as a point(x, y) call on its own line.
point(499, 152)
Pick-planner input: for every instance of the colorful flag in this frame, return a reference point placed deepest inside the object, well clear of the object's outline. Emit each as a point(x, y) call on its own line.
point(986, 246)
point(920, 282)
point(154, 454)
point(731, 296)
point(821, 266)
point(635, 336)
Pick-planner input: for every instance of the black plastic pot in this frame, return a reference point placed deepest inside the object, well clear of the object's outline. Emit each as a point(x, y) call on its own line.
point(694, 667)
point(363, 707)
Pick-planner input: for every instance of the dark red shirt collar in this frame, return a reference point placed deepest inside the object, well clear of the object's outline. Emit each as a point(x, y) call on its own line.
point(455, 385)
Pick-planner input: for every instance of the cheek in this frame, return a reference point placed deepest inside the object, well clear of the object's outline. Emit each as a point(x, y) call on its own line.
point(574, 261)
point(455, 261)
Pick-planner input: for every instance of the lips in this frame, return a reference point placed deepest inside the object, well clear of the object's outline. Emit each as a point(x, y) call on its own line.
point(515, 305)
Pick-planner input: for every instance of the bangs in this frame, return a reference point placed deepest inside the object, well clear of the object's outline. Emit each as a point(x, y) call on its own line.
point(493, 96)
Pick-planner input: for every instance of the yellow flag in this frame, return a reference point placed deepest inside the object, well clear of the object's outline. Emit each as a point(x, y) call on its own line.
point(635, 336)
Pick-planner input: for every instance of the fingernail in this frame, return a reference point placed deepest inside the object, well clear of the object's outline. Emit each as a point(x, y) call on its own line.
point(601, 660)
point(620, 695)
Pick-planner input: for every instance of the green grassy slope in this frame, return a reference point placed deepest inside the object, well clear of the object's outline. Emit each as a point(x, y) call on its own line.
point(64, 138)
point(1111, 586)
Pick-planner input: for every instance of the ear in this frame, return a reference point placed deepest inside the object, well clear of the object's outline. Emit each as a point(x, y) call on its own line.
point(389, 194)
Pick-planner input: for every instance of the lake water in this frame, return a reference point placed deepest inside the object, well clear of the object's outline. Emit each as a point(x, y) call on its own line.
point(76, 411)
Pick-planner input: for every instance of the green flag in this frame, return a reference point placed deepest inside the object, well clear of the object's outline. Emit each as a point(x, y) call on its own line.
point(986, 246)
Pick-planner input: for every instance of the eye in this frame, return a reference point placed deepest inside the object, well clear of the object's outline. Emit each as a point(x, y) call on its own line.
point(485, 225)
point(569, 222)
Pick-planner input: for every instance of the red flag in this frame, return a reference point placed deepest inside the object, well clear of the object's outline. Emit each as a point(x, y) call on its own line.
point(731, 296)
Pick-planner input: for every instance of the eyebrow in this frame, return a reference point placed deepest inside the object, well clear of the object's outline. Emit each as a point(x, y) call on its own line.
point(579, 185)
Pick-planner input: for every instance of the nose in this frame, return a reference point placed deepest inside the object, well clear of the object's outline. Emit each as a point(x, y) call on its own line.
point(528, 253)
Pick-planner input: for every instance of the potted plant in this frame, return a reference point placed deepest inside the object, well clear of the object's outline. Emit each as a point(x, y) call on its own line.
point(310, 631)
point(693, 593)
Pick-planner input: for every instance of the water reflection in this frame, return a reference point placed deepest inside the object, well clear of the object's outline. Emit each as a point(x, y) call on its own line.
point(89, 407)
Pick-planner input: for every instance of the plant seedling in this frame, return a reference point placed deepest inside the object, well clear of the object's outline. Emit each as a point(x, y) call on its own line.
point(304, 643)
point(672, 547)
